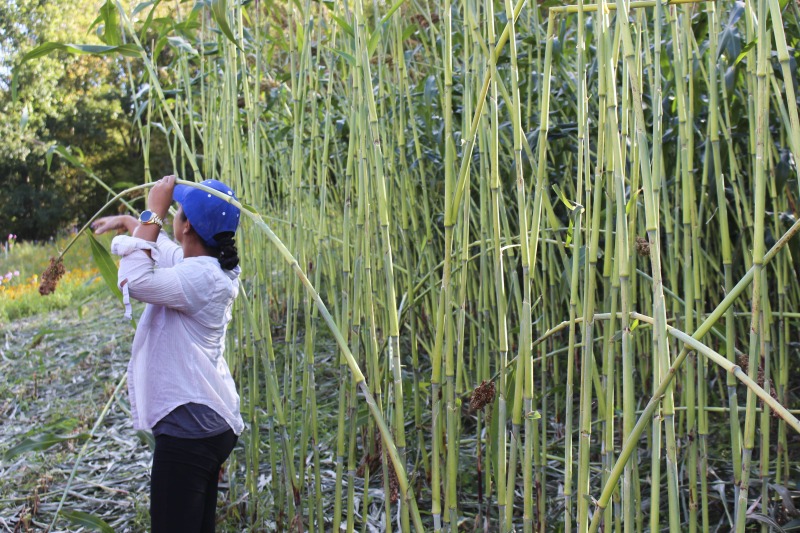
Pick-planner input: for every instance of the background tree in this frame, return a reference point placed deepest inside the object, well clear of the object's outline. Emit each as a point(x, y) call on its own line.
point(73, 101)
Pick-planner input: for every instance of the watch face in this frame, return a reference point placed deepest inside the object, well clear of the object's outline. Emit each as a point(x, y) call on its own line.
point(146, 216)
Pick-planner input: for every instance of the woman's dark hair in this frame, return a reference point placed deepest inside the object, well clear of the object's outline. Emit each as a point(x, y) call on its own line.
point(226, 252)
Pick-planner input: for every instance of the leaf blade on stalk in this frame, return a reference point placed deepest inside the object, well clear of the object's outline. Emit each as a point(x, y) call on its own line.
point(106, 265)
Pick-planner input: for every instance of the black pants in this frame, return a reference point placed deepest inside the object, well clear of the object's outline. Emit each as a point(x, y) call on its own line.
point(183, 488)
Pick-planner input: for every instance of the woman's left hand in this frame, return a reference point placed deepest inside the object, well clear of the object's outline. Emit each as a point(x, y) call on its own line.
point(160, 197)
point(118, 222)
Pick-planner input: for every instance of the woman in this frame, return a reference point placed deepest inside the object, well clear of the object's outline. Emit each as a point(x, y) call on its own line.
point(179, 383)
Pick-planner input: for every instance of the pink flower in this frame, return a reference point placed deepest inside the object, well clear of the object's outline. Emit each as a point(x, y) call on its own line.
point(16, 273)
point(8, 276)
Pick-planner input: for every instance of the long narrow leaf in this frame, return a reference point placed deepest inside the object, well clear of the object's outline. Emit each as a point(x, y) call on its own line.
point(89, 521)
point(40, 442)
point(149, 20)
point(127, 50)
point(344, 25)
point(391, 11)
point(219, 10)
point(106, 265)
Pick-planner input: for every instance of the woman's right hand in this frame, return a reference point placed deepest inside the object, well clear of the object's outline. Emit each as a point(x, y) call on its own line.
point(119, 223)
point(160, 197)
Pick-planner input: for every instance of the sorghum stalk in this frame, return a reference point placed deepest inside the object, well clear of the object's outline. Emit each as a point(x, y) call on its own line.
point(444, 315)
point(383, 221)
point(524, 369)
point(661, 389)
point(498, 270)
point(762, 107)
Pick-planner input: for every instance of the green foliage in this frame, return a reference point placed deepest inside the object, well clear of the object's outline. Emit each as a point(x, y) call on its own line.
point(73, 101)
point(104, 262)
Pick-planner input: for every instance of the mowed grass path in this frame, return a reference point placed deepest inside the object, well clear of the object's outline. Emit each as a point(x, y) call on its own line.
point(60, 368)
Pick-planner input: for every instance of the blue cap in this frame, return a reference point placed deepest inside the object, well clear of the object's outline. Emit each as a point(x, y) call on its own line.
point(208, 214)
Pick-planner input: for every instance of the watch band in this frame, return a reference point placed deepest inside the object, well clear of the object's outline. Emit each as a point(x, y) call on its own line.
point(148, 217)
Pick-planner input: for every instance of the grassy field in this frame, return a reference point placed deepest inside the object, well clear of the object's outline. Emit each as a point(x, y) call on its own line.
point(21, 266)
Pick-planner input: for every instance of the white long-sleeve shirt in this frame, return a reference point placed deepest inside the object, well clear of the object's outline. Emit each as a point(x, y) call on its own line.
point(180, 339)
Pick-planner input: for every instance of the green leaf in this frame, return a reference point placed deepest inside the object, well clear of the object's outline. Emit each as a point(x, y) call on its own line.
point(63, 424)
point(347, 57)
point(374, 39)
point(14, 85)
point(141, 7)
point(631, 201)
point(127, 50)
point(179, 43)
point(299, 32)
point(149, 20)
point(391, 11)
point(89, 521)
point(122, 185)
point(344, 25)
point(251, 209)
point(111, 33)
point(408, 32)
point(40, 442)
point(49, 156)
point(749, 46)
point(730, 38)
point(533, 415)
point(572, 206)
point(634, 325)
point(23, 121)
point(106, 265)
point(569, 233)
point(493, 434)
point(39, 337)
point(63, 152)
point(187, 27)
point(219, 12)
point(147, 438)
point(160, 44)
point(139, 110)
point(95, 22)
